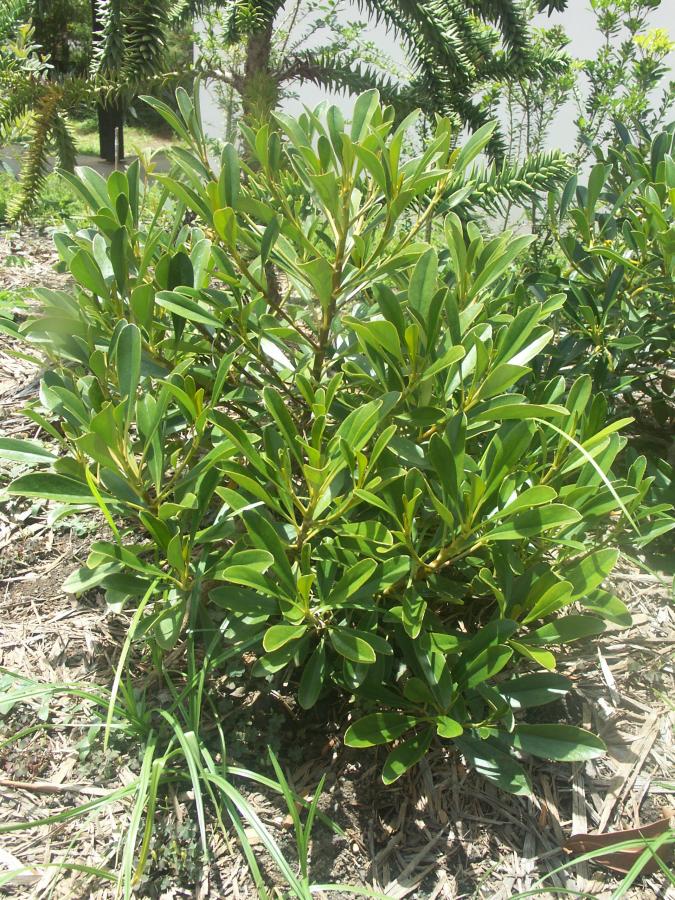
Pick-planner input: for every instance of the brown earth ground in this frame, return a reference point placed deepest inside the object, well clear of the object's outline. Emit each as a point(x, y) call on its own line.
point(439, 833)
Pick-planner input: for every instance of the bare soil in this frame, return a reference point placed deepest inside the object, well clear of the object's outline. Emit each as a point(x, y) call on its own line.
point(438, 833)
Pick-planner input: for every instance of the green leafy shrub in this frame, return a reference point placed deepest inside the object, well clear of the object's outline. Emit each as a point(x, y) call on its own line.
point(617, 234)
point(316, 443)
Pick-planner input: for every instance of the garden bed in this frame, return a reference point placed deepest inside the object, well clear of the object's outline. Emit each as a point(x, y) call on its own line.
point(438, 832)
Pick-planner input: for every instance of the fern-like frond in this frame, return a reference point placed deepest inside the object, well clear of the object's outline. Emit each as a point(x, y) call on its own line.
point(34, 169)
point(108, 51)
point(144, 40)
point(549, 6)
point(245, 17)
point(335, 72)
point(427, 30)
point(64, 143)
point(17, 96)
point(180, 11)
point(494, 187)
point(511, 19)
point(456, 47)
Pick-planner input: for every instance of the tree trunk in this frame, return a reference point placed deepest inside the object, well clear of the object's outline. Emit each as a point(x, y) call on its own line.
point(110, 116)
point(260, 91)
point(259, 96)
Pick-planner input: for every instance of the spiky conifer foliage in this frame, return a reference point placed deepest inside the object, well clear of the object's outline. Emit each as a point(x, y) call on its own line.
point(494, 188)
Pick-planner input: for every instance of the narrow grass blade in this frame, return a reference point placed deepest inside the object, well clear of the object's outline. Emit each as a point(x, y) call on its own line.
point(247, 849)
point(240, 772)
point(289, 798)
point(93, 487)
point(66, 815)
point(249, 814)
point(587, 456)
point(650, 846)
point(8, 877)
point(348, 889)
point(153, 788)
point(122, 660)
point(651, 851)
point(190, 747)
point(126, 875)
point(311, 815)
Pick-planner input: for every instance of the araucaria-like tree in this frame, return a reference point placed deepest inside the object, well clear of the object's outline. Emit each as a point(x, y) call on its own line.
point(455, 49)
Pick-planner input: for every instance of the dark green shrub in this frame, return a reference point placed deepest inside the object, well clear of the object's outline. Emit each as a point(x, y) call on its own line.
point(308, 443)
point(617, 235)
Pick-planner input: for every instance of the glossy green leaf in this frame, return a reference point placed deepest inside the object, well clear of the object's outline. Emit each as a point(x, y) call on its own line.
point(487, 664)
point(168, 115)
point(84, 578)
point(264, 537)
point(378, 334)
point(423, 283)
point(225, 223)
point(269, 239)
point(228, 183)
point(354, 578)
point(312, 679)
point(537, 689)
point(142, 304)
point(277, 409)
point(352, 647)
point(23, 451)
point(543, 658)
point(167, 628)
point(129, 365)
point(278, 636)
point(119, 249)
point(540, 495)
point(364, 108)
point(560, 742)
point(52, 486)
point(566, 629)
point(607, 606)
point(591, 571)
point(88, 274)
point(475, 145)
point(516, 411)
point(551, 600)
point(535, 522)
point(246, 576)
point(378, 728)
point(448, 728)
point(186, 308)
point(495, 765)
point(240, 600)
point(414, 609)
point(406, 755)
